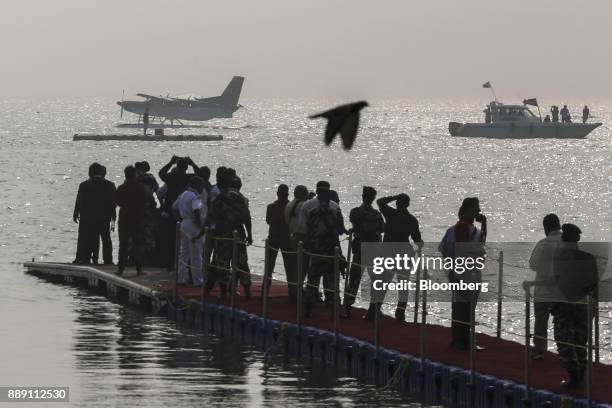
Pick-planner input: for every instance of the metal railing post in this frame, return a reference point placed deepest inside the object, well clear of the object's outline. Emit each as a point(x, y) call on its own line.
point(233, 272)
point(266, 283)
point(336, 291)
point(204, 265)
point(500, 292)
point(177, 246)
point(423, 321)
point(423, 324)
point(472, 384)
point(417, 290)
point(527, 356)
point(596, 326)
point(300, 287)
point(472, 340)
point(377, 329)
point(349, 262)
point(589, 367)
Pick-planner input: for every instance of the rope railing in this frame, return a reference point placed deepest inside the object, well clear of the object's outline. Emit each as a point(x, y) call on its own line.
point(511, 293)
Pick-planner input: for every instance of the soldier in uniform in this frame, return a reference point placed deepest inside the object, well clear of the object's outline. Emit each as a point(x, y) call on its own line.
point(576, 276)
point(323, 228)
point(229, 212)
point(368, 226)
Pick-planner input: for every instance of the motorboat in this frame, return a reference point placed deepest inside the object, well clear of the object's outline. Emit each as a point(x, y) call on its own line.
point(519, 122)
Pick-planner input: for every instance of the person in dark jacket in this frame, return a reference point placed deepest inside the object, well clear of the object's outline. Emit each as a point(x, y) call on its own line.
point(176, 182)
point(132, 197)
point(94, 210)
point(279, 239)
point(576, 277)
point(400, 226)
point(368, 226)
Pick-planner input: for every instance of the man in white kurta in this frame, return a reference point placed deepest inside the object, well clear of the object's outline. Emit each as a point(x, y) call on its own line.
point(190, 210)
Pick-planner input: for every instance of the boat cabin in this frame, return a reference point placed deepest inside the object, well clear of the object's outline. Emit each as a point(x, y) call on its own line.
point(497, 112)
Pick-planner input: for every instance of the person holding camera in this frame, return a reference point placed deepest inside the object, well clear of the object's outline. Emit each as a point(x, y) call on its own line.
point(176, 181)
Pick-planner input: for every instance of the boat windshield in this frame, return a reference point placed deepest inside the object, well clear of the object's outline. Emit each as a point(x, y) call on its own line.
point(509, 113)
point(527, 112)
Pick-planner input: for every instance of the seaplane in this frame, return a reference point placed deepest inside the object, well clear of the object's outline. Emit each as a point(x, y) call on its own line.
point(184, 108)
point(518, 121)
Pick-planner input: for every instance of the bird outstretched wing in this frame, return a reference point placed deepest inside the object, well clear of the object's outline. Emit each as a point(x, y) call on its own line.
point(334, 125)
point(343, 119)
point(348, 131)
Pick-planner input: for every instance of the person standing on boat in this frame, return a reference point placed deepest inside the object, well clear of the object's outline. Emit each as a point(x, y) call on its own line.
point(368, 226)
point(400, 226)
point(586, 114)
point(565, 115)
point(487, 113)
point(554, 111)
point(145, 121)
point(541, 261)
point(464, 301)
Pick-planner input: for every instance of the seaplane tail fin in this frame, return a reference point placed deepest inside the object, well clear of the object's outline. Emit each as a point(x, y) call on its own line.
point(231, 94)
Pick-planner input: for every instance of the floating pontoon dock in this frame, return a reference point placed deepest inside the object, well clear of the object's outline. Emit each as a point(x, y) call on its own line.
point(148, 138)
point(414, 358)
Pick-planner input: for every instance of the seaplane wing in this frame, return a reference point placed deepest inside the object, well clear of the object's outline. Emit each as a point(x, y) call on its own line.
point(151, 97)
point(188, 107)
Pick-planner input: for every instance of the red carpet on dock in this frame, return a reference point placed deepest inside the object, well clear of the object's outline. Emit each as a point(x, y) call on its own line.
point(502, 358)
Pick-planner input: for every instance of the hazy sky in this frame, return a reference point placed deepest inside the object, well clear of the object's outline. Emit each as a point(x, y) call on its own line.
point(311, 48)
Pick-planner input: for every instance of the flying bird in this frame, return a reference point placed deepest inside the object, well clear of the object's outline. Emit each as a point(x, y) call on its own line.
point(343, 119)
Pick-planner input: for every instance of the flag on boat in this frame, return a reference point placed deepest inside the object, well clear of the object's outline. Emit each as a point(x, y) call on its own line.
point(532, 102)
point(486, 85)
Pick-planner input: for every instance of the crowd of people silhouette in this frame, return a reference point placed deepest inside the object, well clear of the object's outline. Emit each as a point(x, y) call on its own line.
point(211, 217)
